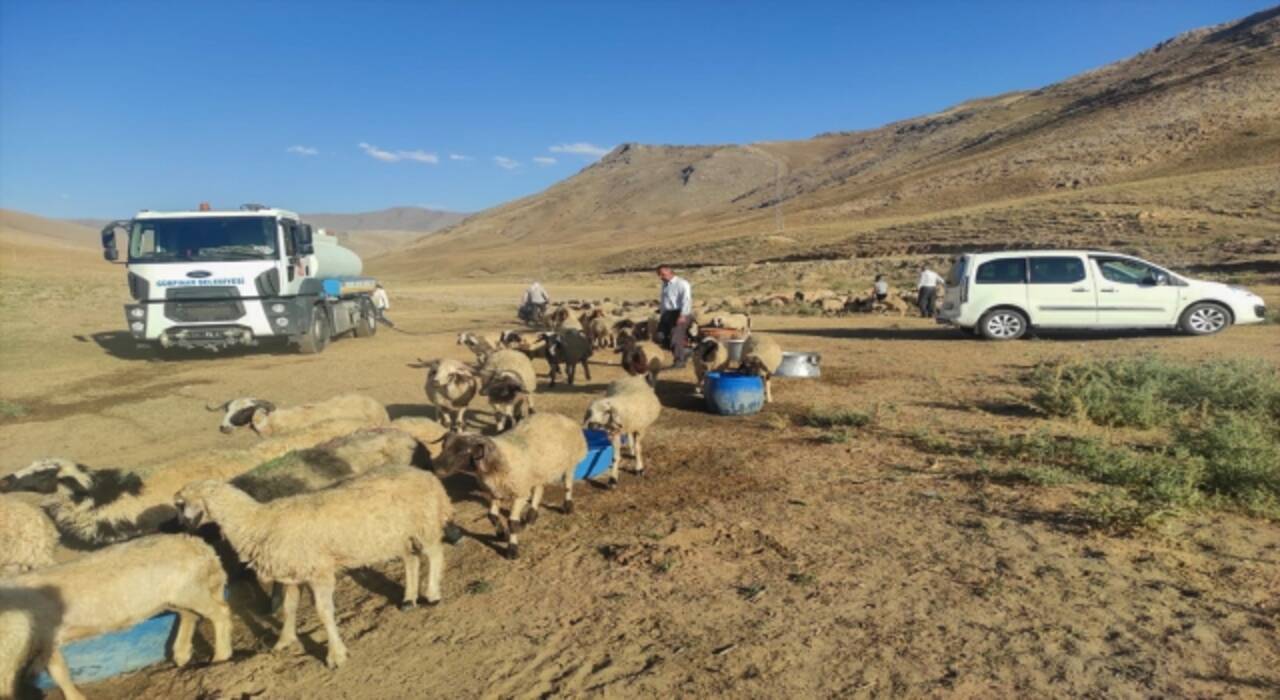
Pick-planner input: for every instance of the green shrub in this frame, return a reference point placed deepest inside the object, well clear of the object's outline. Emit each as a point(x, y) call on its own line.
point(1240, 458)
point(838, 418)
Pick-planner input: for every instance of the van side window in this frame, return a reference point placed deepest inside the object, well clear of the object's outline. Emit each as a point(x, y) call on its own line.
point(1006, 271)
point(1056, 270)
point(1125, 271)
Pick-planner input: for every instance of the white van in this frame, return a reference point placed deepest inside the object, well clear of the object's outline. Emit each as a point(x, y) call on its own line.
point(1000, 296)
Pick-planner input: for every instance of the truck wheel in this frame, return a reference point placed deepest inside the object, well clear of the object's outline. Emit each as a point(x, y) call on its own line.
point(367, 325)
point(1204, 318)
point(1002, 324)
point(317, 336)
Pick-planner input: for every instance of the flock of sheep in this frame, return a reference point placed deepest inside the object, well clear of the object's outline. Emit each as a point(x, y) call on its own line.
point(329, 486)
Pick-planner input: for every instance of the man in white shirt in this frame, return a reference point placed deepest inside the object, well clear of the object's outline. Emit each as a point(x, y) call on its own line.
point(927, 291)
point(534, 302)
point(381, 303)
point(675, 306)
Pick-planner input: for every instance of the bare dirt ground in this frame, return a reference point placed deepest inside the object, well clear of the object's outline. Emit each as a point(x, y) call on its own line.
point(755, 560)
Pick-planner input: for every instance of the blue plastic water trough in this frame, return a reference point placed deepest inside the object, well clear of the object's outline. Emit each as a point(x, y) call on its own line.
point(114, 653)
point(733, 393)
point(599, 455)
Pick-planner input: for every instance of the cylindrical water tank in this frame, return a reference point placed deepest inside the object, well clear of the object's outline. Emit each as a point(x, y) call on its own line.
point(332, 260)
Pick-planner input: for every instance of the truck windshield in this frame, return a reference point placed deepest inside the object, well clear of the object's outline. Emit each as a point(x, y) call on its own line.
point(209, 239)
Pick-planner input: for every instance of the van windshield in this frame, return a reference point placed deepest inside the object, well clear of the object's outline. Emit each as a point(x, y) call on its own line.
point(955, 276)
point(207, 239)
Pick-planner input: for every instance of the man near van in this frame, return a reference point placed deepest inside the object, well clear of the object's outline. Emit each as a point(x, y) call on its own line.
point(675, 308)
point(927, 291)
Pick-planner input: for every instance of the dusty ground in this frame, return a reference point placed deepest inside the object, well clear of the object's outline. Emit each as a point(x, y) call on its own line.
point(754, 561)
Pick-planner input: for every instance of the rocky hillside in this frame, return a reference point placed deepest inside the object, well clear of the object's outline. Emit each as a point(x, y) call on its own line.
point(1162, 153)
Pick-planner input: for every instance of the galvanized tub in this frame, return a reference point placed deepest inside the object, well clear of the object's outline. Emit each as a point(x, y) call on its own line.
point(803, 365)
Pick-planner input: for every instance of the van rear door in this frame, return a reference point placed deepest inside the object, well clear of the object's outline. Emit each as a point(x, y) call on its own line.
point(1061, 291)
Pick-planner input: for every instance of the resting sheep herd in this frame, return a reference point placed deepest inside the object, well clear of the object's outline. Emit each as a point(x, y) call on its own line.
point(333, 485)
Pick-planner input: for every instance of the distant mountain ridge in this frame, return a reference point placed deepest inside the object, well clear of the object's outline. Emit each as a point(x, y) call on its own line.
point(407, 219)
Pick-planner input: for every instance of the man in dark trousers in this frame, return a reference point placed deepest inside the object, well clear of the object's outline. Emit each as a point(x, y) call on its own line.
point(675, 306)
point(927, 291)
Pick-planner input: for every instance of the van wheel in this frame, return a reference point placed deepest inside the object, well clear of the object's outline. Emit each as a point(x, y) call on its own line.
point(317, 336)
point(1002, 324)
point(1204, 318)
point(367, 324)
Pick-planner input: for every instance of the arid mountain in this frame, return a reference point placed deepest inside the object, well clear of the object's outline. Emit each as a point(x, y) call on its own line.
point(29, 229)
point(408, 219)
point(1162, 153)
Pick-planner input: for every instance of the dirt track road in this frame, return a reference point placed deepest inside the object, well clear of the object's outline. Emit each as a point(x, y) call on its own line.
point(756, 560)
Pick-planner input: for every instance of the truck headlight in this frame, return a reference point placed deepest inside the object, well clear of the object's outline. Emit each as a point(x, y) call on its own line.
point(277, 308)
point(137, 312)
point(137, 326)
point(282, 321)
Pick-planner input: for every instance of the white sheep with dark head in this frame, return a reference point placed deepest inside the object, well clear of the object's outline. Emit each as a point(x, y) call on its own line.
point(266, 419)
point(450, 386)
point(628, 408)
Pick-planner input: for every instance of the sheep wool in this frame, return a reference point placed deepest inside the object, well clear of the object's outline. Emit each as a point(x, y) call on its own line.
point(450, 387)
point(27, 536)
point(629, 407)
point(644, 358)
point(317, 467)
point(570, 347)
point(710, 355)
point(346, 407)
point(761, 357)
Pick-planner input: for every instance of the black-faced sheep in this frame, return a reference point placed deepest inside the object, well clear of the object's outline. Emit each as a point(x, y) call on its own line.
point(266, 419)
point(27, 536)
point(516, 465)
point(628, 408)
point(93, 506)
point(710, 355)
point(391, 512)
point(509, 382)
point(643, 358)
point(761, 357)
point(450, 386)
point(570, 348)
point(108, 590)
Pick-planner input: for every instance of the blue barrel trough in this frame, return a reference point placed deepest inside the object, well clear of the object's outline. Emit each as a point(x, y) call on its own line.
point(599, 455)
point(114, 653)
point(733, 393)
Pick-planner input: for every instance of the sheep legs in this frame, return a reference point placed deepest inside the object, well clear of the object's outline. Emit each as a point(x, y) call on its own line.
point(435, 570)
point(513, 544)
point(412, 569)
point(568, 492)
point(211, 607)
point(768, 392)
point(617, 458)
point(635, 452)
point(61, 675)
point(536, 501)
point(289, 628)
point(322, 592)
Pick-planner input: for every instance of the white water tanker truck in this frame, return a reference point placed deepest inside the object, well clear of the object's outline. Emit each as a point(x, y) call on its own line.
point(216, 279)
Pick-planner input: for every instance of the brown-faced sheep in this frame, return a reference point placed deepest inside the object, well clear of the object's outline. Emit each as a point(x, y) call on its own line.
point(628, 408)
point(391, 512)
point(516, 465)
point(710, 355)
point(570, 348)
point(761, 357)
point(27, 536)
point(108, 590)
point(94, 506)
point(450, 386)
point(509, 382)
point(643, 358)
point(266, 419)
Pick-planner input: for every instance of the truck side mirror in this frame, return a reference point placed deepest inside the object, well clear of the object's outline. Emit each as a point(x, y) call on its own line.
point(304, 244)
point(109, 251)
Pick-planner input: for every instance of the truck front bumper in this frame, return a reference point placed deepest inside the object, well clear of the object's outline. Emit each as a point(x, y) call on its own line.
point(206, 337)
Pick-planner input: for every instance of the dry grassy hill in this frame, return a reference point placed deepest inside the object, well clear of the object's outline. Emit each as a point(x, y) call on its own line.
point(1163, 153)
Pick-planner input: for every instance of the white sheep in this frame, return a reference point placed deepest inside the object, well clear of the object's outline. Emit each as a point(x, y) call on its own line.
point(761, 357)
point(569, 347)
point(628, 408)
point(450, 386)
point(481, 344)
point(27, 536)
point(600, 332)
point(313, 468)
point(710, 355)
point(509, 382)
point(516, 465)
point(108, 590)
point(388, 513)
point(735, 322)
point(643, 358)
point(266, 419)
point(92, 506)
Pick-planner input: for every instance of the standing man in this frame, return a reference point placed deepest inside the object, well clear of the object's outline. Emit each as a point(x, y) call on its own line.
point(927, 291)
point(675, 304)
point(880, 289)
point(380, 304)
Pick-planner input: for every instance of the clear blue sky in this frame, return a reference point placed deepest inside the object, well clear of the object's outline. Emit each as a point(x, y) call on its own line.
point(108, 107)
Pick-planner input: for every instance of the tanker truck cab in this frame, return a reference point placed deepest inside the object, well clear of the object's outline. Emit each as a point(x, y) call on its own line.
point(218, 279)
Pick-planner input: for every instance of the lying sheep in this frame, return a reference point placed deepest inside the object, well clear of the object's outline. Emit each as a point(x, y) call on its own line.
point(629, 407)
point(428, 433)
point(643, 358)
point(392, 512)
point(481, 344)
point(734, 322)
point(325, 464)
point(830, 305)
point(108, 590)
point(93, 506)
point(516, 465)
point(710, 355)
point(450, 386)
point(761, 357)
point(509, 382)
point(568, 347)
point(266, 419)
point(27, 537)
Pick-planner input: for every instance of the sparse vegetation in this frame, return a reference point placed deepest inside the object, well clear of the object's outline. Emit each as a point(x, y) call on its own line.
point(838, 418)
point(478, 587)
point(9, 409)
